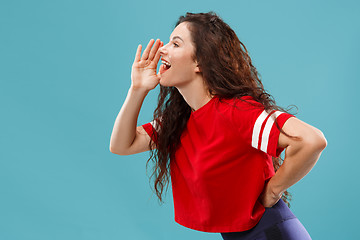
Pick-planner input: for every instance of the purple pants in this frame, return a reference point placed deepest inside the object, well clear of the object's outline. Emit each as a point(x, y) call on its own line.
point(277, 223)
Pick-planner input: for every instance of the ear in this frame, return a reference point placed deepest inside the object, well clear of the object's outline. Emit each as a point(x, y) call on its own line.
point(197, 68)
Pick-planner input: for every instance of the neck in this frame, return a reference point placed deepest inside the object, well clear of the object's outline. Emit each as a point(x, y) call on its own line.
point(195, 93)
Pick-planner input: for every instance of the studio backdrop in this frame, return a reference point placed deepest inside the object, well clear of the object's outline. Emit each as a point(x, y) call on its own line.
point(65, 71)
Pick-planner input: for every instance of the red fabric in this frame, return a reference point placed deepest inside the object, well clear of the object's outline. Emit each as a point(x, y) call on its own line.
point(216, 174)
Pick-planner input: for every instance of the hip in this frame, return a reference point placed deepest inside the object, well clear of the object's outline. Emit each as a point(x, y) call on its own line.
point(277, 222)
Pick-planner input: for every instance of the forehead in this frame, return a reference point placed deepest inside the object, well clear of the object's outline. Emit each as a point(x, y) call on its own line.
point(182, 31)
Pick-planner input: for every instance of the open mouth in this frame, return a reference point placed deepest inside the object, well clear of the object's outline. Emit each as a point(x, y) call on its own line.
point(164, 66)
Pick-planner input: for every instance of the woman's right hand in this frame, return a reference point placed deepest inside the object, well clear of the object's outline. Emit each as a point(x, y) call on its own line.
point(143, 73)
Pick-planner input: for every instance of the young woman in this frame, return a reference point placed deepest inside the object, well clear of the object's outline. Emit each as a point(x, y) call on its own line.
point(217, 134)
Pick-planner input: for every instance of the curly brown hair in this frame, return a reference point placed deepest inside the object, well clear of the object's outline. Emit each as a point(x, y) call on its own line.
point(228, 72)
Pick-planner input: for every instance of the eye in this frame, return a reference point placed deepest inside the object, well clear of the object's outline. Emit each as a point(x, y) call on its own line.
point(175, 44)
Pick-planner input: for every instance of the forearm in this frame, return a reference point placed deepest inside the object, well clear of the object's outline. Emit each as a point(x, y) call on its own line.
point(124, 130)
point(297, 163)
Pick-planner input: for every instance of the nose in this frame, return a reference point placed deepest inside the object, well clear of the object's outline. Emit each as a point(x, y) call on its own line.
point(163, 50)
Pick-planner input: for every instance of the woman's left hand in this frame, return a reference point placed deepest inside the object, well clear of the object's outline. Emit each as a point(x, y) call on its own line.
point(268, 198)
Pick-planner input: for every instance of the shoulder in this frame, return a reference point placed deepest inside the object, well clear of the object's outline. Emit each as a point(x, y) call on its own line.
point(239, 112)
point(244, 103)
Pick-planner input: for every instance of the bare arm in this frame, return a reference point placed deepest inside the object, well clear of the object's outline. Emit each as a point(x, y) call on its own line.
point(126, 137)
point(300, 157)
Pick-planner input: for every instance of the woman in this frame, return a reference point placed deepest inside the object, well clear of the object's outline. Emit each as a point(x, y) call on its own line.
point(217, 134)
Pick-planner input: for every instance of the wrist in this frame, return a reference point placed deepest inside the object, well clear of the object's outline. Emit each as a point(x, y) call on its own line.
point(137, 89)
point(275, 190)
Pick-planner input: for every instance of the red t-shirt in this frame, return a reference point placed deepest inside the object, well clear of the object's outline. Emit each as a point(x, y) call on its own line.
point(222, 163)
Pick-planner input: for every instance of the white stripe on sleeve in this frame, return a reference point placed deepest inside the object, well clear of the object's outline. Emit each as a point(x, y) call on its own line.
point(267, 130)
point(155, 125)
point(257, 128)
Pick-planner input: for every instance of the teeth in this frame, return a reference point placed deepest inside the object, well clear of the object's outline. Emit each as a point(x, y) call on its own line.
point(166, 63)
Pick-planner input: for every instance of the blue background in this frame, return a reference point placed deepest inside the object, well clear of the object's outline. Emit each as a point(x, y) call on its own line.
point(65, 71)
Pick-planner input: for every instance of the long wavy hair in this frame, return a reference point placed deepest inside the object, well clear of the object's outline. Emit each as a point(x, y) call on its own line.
point(228, 72)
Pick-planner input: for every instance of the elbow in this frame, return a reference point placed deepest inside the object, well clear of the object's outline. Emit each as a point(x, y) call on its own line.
point(316, 141)
point(112, 149)
point(321, 141)
point(117, 151)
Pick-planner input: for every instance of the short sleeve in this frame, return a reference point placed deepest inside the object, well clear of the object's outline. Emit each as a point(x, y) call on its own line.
point(259, 127)
point(152, 129)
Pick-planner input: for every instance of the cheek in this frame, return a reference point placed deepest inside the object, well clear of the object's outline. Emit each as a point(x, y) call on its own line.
point(184, 62)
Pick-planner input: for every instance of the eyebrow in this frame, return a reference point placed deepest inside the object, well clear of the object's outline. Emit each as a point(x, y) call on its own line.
point(177, 37)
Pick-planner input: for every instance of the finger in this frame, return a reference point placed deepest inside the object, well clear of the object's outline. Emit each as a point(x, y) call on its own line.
point(147, 50)
point(138, 53)
point(154, 49)
point(157, 55)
